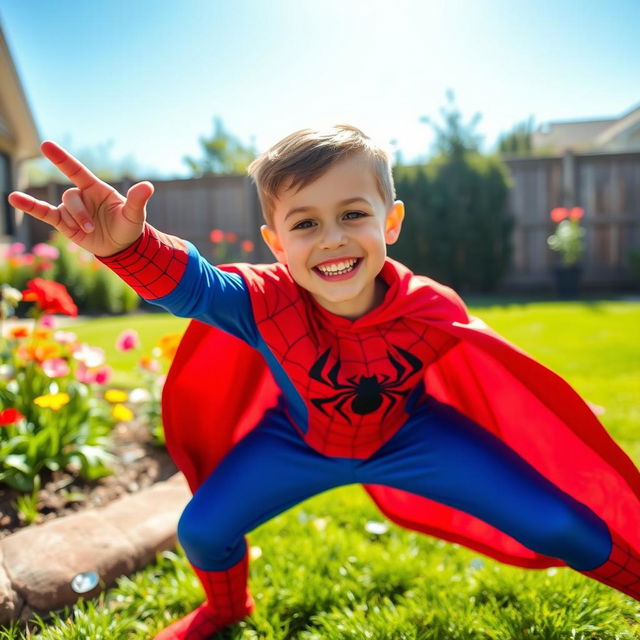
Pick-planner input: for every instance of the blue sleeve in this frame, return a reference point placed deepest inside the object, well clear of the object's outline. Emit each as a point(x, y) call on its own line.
point(211, 295)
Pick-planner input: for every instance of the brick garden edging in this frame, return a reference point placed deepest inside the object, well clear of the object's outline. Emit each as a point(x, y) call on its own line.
point(38, 563)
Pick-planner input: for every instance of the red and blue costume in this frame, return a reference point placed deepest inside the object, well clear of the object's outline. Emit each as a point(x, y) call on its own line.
point(452, 430)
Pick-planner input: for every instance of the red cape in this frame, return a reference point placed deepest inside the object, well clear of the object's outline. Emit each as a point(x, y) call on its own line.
point(218, 388)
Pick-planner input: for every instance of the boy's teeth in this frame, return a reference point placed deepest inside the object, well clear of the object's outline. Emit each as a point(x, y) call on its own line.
point(338, 267)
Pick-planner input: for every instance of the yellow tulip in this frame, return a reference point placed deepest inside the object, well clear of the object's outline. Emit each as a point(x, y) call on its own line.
point(52, 401)
point(122, 413)
point(115, 395)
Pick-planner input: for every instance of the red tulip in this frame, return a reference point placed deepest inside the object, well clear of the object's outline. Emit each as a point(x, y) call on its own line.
point(9, 416)
point(559, 213)
point(216, 236)
point(51, 297)
point(231, 237)
point(247, 246)
point(576, 213)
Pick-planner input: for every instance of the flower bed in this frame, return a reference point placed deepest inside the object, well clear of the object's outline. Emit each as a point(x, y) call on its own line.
point(67, 439)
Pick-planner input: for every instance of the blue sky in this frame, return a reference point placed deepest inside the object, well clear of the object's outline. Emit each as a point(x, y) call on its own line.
point(148, 76)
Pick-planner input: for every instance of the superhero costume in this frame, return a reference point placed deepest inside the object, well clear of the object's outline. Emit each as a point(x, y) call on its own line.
point(347, 389)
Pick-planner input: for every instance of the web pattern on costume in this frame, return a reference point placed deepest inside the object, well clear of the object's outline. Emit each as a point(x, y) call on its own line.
point(153, 265)
point(227, 594)
point(299, 338)
point(622, 570)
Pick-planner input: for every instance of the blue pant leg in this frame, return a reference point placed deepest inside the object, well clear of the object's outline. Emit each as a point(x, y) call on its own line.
point(270, 470)
point(444, 456)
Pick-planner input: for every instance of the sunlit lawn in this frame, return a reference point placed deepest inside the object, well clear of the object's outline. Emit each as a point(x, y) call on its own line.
point(320, 575)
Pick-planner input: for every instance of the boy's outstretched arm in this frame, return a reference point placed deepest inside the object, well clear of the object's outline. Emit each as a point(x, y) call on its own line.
point(93, 214)
point(163, 269)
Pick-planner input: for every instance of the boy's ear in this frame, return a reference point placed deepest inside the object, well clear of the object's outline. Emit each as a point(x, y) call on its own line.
point(393, 223)
point(270, 236)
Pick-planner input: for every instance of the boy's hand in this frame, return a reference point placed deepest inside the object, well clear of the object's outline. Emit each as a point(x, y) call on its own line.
point(94, 215)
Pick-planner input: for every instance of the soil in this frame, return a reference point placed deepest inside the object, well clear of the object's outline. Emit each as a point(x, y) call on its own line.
point(137, 465)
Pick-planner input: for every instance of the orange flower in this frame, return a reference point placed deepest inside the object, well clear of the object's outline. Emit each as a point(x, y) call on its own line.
point(169, 345)
point(39, 352)
point(231, 237)
point(247, 246)
point(41, 334)
point(576, 213)
point(18, 332)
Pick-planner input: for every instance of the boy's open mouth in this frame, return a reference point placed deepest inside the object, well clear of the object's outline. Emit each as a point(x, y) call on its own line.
point(338, 270)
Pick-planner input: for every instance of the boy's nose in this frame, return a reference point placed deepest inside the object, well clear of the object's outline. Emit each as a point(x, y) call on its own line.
point(333, 237)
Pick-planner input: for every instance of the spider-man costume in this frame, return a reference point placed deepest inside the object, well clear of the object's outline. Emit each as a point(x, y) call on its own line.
point(451, 429)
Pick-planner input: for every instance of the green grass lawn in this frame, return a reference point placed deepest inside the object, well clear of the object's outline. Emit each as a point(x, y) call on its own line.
point(320, 575)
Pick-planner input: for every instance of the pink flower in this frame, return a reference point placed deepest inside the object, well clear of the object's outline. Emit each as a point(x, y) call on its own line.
point(103, 375)
point(55, 367)
point(127, 340)
point(84, 375)
point(48, 322)
point(43, 250)
point(15, 249)
point(65, 337)
point(89, 356)
point(27, 259)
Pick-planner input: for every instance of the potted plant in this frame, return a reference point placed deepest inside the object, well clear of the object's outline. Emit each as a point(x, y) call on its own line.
point(568, 241)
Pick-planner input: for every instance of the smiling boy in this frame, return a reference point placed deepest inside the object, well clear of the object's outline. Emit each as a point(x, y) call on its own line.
point(336, 365)
point(332, 235)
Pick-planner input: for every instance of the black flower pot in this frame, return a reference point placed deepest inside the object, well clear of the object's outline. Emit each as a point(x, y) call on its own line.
point(567, 279)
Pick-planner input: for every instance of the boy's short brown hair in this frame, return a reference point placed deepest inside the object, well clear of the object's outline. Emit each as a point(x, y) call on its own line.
point(305, 155)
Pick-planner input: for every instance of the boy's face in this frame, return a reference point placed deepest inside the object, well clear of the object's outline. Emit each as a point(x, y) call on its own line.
point(335, 249)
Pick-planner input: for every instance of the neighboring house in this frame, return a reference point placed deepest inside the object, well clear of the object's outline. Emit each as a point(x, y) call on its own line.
point(19, 141)
point(614, 135)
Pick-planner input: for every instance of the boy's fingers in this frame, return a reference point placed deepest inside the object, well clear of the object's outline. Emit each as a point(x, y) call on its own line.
point(72, 168)
point(37, 208)
point(75, 206)
point(68, 225)
point(137, 198)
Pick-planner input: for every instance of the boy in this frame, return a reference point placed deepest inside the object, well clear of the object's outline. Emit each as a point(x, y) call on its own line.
point(342, 367)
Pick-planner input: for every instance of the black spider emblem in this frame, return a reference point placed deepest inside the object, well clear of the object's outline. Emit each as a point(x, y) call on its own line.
point(366, 393)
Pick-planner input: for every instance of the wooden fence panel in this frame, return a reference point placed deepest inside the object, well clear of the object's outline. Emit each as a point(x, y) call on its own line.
point(607, 186)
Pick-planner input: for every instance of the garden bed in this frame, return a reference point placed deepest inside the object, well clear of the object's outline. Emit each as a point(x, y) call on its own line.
point(137, 464)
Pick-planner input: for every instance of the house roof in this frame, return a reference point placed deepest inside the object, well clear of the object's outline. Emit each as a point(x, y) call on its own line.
point(589, 134)
point(19, 135)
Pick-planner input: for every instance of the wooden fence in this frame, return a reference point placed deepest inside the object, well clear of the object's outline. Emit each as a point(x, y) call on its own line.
point(607, 186)
point(190, 209)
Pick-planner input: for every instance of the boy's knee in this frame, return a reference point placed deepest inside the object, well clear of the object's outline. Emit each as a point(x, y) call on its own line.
point(206, 544)
point(561, 531)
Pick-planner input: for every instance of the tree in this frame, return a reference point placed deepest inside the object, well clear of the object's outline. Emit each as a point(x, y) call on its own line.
point(458, 228)
point(223, 154)
point(454, 138)
point(518, 141)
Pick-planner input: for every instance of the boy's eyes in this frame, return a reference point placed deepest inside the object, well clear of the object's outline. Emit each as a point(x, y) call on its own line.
point(349, 215)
